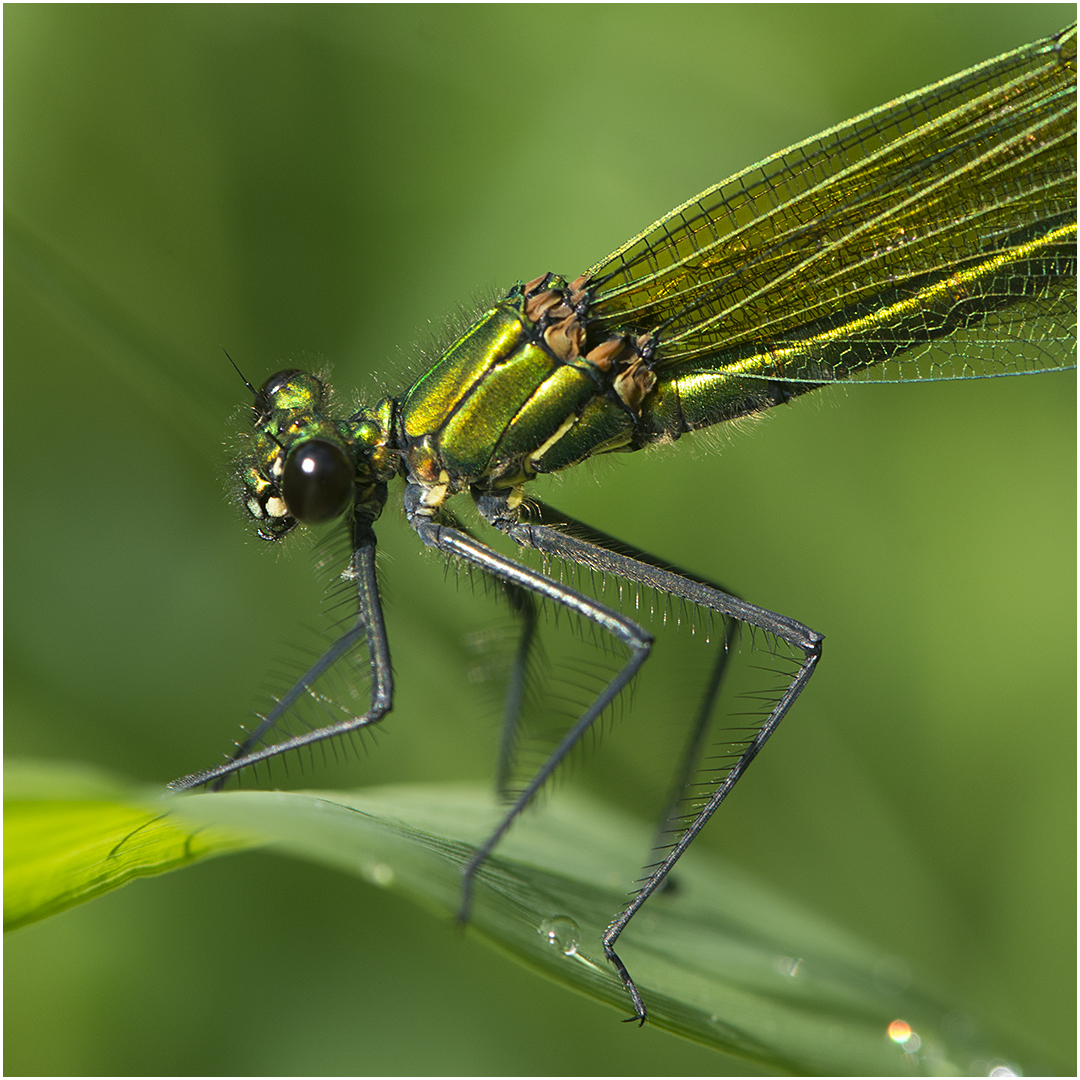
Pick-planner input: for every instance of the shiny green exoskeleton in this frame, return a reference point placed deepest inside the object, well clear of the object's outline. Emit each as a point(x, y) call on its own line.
point(932, 238)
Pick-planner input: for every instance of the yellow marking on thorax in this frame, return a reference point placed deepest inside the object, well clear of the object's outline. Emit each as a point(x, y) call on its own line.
point(563, 428)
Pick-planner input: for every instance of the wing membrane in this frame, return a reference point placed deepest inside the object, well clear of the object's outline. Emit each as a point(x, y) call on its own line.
point(947, 214)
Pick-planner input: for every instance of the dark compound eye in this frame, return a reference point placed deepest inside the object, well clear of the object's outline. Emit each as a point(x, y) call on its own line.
point(318, 482)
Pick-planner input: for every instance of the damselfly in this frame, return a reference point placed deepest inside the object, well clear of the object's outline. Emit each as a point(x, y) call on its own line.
point(932, 238)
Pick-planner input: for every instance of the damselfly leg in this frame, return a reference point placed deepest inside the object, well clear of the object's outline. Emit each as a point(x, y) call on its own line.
point(260, 744)
point(646, 571)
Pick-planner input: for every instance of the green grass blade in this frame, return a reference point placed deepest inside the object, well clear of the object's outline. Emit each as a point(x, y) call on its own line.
point(720, 960)
point(71, 833)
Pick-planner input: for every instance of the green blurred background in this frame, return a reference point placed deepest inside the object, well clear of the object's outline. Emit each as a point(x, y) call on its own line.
point(333, 181)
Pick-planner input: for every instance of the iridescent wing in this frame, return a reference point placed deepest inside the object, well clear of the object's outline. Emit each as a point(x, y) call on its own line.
point(948, 215)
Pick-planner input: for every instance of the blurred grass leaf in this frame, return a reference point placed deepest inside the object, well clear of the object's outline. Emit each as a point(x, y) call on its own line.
point(720, 960)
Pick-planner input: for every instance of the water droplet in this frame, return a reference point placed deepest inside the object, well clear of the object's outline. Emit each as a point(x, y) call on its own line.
point(789, 966)
point(562, 933)
point(379, 874)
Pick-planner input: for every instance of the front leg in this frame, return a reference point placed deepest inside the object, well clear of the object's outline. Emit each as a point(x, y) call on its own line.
point(268, 740)
point(455, 542)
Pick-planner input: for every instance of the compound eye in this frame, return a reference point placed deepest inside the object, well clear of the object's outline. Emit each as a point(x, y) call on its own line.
point(277, 381)
point(264, 396)
point(317, 482)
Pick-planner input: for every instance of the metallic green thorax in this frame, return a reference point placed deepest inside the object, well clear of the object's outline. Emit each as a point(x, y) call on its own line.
point(513, 396)
point(533, 386)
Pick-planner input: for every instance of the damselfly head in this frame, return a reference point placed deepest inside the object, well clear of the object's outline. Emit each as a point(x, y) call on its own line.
point(304, 466)
point(298, 468)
